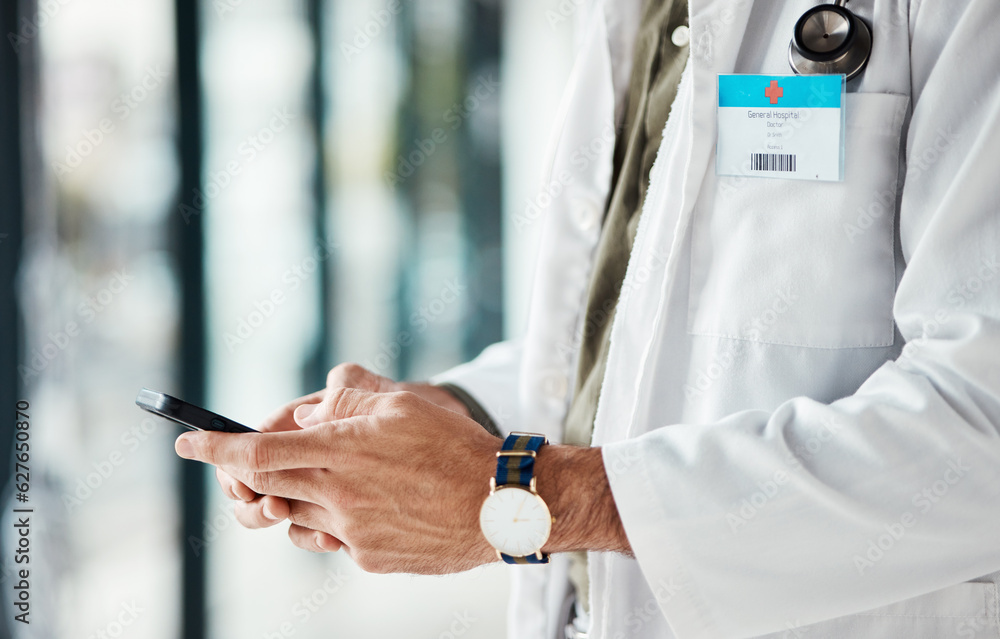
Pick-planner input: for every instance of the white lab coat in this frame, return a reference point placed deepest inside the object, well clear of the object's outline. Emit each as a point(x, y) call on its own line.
point(800, 414)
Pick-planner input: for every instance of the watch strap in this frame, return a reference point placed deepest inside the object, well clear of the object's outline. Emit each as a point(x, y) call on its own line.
point(516, 459)
point(516, 466)
point(530, 559)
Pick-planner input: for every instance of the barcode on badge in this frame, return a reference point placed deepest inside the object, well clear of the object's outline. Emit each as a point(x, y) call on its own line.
point(772, 162)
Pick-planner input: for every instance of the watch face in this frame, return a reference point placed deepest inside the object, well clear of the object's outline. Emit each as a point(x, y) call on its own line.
point(515, 521)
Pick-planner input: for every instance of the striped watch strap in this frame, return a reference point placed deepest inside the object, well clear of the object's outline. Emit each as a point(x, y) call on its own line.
point(516, 465)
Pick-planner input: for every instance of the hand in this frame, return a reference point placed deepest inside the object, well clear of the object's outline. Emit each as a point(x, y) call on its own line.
point(261, 511)
point(396, 479)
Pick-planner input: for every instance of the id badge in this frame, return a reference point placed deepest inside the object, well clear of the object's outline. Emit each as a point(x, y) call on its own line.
point(782, 126)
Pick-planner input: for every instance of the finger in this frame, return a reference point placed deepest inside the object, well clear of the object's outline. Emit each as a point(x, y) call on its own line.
point(225, 483)
point(313, 540)
point(341, 403)
point(234, 488)
point(281, 419)
point(263, 512)
point(255, 452)
point(310, 515)
point(308, 484)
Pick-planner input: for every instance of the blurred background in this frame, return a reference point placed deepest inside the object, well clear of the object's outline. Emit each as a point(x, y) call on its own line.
point(222, 200)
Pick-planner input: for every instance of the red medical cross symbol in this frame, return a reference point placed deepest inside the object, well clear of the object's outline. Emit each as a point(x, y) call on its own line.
point(774, 92)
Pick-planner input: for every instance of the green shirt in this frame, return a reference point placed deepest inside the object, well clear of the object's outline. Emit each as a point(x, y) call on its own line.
point(656, 73)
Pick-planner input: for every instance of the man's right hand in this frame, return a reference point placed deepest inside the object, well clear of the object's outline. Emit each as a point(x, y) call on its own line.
point(262, 511)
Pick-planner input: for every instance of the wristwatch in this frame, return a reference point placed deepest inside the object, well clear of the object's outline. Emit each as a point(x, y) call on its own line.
point(514, 518)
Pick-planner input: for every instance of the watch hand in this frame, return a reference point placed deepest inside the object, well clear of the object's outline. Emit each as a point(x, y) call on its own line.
point(519, 509)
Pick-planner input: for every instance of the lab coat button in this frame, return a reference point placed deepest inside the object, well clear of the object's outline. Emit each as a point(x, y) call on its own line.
point(554, 385)
point(588, 213)
point(681, 36)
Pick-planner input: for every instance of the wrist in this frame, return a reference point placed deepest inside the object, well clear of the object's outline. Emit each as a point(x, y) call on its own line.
point(573, 483)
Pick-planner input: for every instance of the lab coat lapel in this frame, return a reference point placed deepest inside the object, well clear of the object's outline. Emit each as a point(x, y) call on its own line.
point(621, 23)
point(718, 28)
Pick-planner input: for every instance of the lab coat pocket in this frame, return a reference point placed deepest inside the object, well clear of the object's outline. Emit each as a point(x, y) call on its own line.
point(804, 263)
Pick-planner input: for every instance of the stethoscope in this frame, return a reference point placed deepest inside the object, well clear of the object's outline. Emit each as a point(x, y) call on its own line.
point(830, 39)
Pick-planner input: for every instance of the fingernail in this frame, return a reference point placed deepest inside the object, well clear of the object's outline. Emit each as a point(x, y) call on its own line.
point(269, 514)
point(184, 447)
point(319, 541)
point(303, 412)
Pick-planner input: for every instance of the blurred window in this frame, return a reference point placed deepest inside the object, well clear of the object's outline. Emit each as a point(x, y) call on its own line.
point(358, 200)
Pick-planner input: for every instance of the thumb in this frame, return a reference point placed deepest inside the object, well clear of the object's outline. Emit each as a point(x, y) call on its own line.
point(339, 403)
point(303, 415)
point(355, 376)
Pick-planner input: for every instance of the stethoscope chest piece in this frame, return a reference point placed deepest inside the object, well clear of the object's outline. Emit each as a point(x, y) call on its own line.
point(830, 39)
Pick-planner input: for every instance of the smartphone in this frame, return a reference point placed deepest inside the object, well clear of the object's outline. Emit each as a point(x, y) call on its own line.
point(185, 414)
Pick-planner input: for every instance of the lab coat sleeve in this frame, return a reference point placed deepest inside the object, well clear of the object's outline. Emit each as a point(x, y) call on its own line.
point(492, 380)
point(773, 520)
